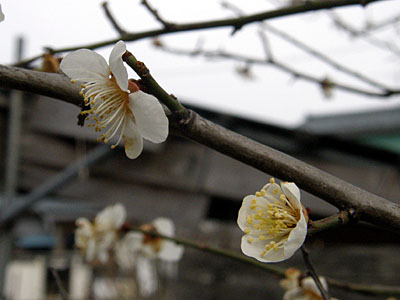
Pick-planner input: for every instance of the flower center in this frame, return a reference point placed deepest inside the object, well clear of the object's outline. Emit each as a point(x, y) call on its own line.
point(109, 107)
point(151, 240)
point(271, 220)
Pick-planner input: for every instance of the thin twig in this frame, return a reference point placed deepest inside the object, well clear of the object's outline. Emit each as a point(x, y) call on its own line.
point(366, 36)
point(337, 220)
point(155, 13)
point(273, 268)
point(313, 274)
point(154, 88)
point(218, 251)
point(281, 66)
point(229, 22)
point(313, 52)
point(113, 21)
point(63, 293)
point(266, 46)
point(324, 58)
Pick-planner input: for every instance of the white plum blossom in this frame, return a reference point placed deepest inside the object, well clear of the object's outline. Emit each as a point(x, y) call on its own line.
point(1, 15)
point(301, 288)
point(137, 243)
point(115, 102)
point(98, 238)
point(274, 222)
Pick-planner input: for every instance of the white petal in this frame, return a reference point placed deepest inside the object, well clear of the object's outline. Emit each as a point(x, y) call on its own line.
point(164, 226)
point(104, 219)
point(124, 257)
point(1, 15)
point(309, 284)
point(292, 192)
point(148, 252)
point(244, 211)
point(273, 192)
point(170, 251)
point(257, 247)
point(119, 215)
point(117, 65)
point(107, 240)
point(296, 237)
point(150, 118)
point(102, 255)
point(133, 240)
point(91, 250)
point(133, 141)
point(295, 294)
point(84, 65)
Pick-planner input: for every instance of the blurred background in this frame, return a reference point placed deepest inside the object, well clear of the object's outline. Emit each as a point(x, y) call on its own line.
point(54, 171)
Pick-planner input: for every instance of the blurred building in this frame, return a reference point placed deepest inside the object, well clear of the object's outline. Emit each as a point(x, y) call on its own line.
point(200, 189)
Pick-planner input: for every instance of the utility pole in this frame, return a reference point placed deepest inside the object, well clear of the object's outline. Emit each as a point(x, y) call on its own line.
point(11, 170)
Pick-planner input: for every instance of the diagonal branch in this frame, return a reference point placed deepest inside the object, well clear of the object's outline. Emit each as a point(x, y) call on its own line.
point(113, 21)
point(155, 13)
point(313, 274)
point(281, 66)
point(236, 23)
point(368, 207)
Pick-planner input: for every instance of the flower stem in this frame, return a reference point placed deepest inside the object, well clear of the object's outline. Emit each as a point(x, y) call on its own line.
point(214, 250)
point(341, 218)
point(313, 274)
point(152, 85)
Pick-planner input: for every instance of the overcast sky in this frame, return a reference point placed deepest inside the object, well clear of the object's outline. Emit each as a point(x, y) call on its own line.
point(271, 96)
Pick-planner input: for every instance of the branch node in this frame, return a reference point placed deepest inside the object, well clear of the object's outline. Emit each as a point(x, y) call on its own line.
point(142, 70)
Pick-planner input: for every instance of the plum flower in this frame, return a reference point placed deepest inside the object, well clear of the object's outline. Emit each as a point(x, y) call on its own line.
point(274, 222)
point(97, 238)
point(137, 243)
point(116, 103)
point(301, 288)
point(1, 15)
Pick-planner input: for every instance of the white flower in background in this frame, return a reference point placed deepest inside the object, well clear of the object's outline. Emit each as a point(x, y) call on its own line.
point(116, 103)
point(97, 238)
point(1, 15)
point(307, 290)
point(299, 287)
point(274, 222)
point(137, 243)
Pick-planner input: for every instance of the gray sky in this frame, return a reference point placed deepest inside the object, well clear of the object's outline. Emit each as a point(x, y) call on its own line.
point(271, 97)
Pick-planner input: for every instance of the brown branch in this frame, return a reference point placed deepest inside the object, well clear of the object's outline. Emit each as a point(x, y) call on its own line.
point(238, 22)
point(48, 84)
point(113, 21)
point(367, 206)
point(155, 13)
point(366, 35)
point(281, 66)
point(324, 58)
point(311, 51)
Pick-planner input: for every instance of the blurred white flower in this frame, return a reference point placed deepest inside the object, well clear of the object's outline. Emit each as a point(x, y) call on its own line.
point(115, 102)
point(307, 290)
point(137, 243)
point(301, 288)
point(1, 15)
point(274, 222)
point(97, 238)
